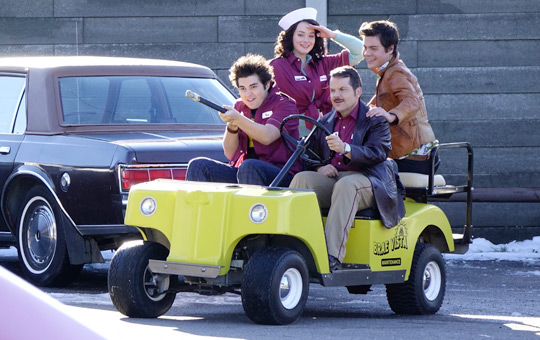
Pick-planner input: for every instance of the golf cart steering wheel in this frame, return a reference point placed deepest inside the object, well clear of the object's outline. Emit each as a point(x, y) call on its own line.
point(308, 155)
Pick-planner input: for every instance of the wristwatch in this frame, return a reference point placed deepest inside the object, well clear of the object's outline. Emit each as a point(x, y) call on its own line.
point(347, 148)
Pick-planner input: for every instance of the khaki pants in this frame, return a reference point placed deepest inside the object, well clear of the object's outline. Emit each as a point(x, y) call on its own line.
point(344, 195)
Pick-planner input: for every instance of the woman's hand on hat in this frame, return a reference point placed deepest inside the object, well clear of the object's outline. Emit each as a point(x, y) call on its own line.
point(323, 32)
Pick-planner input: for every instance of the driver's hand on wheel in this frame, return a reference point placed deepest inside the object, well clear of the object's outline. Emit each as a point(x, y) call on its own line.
point(328, 170)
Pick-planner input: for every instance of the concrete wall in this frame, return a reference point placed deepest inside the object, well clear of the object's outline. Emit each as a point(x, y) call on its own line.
point(477, 61)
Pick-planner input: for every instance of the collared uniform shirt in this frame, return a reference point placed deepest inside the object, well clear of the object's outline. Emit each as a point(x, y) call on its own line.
point(310, 89)
point(273, 110)
point(345, 129)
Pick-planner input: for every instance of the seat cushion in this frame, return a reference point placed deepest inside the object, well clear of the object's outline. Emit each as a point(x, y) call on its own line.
point(369, 213)
point(416, 180)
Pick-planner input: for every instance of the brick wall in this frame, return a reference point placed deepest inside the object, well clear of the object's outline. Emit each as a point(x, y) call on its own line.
point(477, 61)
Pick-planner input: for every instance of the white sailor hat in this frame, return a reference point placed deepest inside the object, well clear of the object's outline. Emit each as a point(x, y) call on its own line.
point(296, 16)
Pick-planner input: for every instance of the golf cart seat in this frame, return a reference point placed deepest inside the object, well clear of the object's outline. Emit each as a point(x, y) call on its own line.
point(420, 187)
point(416, 180)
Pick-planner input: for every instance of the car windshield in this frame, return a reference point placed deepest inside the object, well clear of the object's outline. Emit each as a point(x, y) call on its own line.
point(140, 100)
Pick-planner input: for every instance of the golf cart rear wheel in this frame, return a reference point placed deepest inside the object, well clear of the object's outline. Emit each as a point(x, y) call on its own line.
point(135, 291)
point(275, 286)
point(424, 292)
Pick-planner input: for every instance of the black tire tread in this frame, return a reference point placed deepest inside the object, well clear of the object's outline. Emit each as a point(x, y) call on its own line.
point(257, 287)
point(403, 297)
point(125, 276)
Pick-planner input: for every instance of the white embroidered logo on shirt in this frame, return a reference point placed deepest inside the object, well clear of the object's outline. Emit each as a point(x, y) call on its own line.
point(323, 77)
point(267, 114)
point(300, 78)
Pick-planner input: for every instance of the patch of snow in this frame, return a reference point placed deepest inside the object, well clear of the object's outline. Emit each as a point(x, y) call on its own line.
point(482, 249)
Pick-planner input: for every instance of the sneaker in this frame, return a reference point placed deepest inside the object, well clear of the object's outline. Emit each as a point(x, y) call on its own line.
point(334, 263)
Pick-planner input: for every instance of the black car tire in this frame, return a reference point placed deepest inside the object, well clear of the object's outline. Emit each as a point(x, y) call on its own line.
point(424, 292)
point(41, 240)
point(135, 291)
point(275, 286)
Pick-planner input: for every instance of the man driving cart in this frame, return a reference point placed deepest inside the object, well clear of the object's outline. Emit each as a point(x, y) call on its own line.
point(359, 176)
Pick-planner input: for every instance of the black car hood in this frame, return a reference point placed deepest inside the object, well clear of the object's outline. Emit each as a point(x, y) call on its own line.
point(166, 147)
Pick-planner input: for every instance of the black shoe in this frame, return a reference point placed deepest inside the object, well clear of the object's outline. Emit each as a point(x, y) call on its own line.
point(334, 263)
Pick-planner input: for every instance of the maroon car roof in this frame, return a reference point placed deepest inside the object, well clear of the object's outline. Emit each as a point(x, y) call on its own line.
point(50, 64)
point(42, 86)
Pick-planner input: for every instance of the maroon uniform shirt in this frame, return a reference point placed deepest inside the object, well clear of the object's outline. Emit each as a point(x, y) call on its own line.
point(345, 129)
point(310, 90)
point(273, 110)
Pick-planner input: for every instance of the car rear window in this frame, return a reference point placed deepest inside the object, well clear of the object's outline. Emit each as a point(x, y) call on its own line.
point(139, 100)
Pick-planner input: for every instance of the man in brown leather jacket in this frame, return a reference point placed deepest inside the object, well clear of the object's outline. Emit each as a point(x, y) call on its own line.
point(359, 176)
point(398, 98)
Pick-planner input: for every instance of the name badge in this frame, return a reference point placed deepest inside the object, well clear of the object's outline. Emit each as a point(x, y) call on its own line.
point(267, 114)
point(300, 78)
point(323, 77)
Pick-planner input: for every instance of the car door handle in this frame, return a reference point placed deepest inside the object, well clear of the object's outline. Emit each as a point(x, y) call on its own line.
point(4, 150)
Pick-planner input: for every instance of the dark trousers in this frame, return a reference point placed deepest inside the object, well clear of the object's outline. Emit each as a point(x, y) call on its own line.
point(251, 171)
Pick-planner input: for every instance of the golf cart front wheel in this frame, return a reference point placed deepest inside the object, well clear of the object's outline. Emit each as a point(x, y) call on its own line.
point(135, 291)
point(275, 286)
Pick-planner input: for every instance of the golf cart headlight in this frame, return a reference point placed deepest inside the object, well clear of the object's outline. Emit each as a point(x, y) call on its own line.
point(148, 206)
point(258, 213)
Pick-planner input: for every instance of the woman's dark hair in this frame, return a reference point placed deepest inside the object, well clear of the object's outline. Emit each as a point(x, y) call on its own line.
point(284, 44)
point(248, 65)
point(386, 30)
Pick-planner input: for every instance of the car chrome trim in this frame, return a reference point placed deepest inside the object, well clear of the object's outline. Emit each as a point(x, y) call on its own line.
point(121, 167)
point(21, 97)
point(186, 269)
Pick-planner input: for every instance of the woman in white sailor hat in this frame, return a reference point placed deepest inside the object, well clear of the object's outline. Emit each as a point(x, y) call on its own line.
point(302, 65)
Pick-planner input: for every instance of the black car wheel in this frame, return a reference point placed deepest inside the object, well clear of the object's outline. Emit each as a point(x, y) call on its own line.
point(275, 286)
point(135, 291)
point(424, 292)
point(41, 241)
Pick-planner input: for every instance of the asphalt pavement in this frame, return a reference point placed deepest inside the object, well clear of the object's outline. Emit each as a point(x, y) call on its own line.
point(484, 299)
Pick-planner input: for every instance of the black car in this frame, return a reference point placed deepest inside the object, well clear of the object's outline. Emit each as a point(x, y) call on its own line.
point(76, 133)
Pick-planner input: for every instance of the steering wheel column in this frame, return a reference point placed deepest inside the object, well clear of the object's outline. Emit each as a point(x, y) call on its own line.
point(300, 148)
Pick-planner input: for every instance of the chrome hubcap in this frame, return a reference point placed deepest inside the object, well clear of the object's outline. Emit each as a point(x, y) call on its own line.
point(290, 288)
point(39, 238)
point(432, 280)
